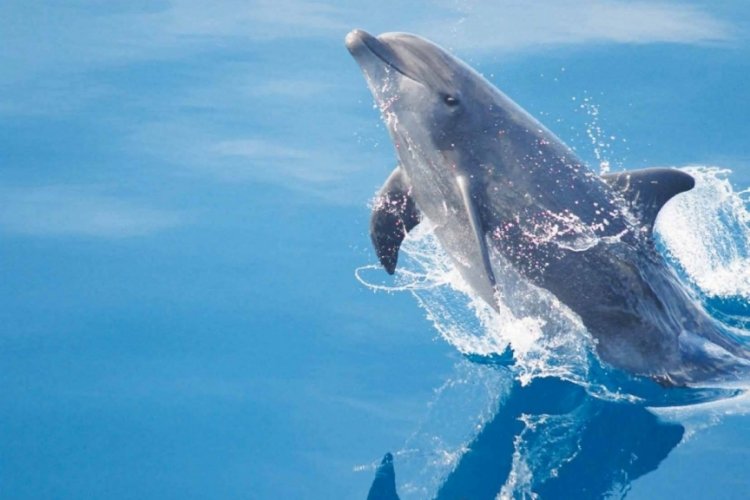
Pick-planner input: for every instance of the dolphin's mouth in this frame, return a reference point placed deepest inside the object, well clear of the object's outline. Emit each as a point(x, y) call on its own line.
point(358, 41)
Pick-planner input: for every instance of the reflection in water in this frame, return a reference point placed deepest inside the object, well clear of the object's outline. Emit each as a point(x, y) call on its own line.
point(552, 439)
point(384, 485)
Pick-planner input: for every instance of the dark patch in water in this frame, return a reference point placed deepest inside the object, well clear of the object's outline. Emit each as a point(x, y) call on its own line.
point(574, 445)
point(384, 485)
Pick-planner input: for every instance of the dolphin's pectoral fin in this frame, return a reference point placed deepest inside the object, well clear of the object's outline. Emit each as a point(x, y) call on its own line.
point(476, 229)
point(649, 189)
point(394, 214)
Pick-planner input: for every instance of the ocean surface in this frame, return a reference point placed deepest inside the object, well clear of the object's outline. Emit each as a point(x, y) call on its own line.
point(190, 306)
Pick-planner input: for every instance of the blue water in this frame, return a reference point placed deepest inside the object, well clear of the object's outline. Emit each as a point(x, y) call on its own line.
point(183, 217)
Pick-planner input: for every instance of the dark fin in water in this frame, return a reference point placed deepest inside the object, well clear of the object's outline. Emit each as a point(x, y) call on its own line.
point(394, 214)
point(384, 485)
point(649, 189)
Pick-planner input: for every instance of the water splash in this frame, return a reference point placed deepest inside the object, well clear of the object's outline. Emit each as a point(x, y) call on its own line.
point(459, 411)
point(541, 449)
point(546, 338)
point(705, 233)
point(600, 143)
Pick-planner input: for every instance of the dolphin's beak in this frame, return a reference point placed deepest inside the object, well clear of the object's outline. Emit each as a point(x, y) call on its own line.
point(367, 49)
point(355, 41)
point(363, 46)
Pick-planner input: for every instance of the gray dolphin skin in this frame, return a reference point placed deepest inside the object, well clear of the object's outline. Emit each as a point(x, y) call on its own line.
point(497, 185)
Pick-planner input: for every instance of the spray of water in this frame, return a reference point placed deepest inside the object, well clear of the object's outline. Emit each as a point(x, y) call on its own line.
point(706, 234)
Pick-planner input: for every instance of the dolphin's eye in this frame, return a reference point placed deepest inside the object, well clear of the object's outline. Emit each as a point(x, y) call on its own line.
point(450, 100)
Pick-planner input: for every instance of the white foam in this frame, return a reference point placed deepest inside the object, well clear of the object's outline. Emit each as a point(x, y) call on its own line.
point(546, 337)
point(706, 231)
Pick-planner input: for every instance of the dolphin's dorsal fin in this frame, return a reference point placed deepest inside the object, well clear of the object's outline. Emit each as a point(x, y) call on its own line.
point(384, 485)
point(394, 214)
point(649, 189)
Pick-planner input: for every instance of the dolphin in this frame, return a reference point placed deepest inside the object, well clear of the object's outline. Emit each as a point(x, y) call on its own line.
point(499, 186)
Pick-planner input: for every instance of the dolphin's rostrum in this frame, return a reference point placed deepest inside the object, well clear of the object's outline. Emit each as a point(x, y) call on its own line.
point(497, 184)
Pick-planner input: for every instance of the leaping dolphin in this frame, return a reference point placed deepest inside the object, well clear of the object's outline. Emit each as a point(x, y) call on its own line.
point(495, 181)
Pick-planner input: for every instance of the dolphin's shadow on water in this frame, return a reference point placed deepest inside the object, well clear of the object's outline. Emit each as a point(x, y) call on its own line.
point(553, 439)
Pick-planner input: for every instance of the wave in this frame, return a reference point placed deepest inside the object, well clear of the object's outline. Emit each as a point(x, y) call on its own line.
point(705, 235)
